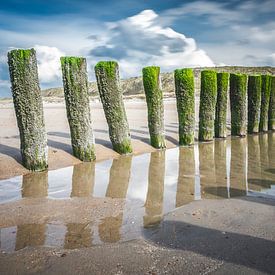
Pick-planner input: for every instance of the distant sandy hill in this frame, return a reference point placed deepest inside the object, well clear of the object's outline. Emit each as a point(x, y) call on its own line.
point(134, 87)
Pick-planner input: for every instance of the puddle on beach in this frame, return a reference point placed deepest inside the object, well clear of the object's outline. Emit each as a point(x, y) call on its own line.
point(149, 184)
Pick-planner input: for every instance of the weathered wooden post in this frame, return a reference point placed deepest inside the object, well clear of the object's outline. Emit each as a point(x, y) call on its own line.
point(154, 99)
point(271, 110)
point(238, 87)
point(75, 84)
point(221, 105)
point(266, 83)
point(28, 108)
point(185, 95)
point(208, 98)
point(254, 103)
point(107, 76)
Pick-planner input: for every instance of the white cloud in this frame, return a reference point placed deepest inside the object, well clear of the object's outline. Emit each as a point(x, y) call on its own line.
point(48, 59)
point(142, 40)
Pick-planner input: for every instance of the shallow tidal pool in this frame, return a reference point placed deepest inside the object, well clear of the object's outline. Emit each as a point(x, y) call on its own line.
point(149, 185)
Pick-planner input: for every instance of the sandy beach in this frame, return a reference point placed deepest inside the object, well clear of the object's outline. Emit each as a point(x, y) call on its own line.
point(60, 152)
point(204, 209)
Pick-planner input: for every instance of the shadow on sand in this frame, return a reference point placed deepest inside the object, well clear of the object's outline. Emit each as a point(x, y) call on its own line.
point(252, 252)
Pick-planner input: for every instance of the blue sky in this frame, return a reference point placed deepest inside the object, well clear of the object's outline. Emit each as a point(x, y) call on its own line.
point(171, 34)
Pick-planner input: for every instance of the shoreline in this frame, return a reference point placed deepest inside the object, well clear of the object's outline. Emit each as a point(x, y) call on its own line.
point(60, 151)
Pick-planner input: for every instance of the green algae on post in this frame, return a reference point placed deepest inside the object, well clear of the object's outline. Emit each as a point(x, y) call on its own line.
point(254, 103)
point(185, 96)
point(28, 107)
point(75, 82)
point(208, 98)
point(221, 105)
point(107, 76)
point(266, 83)
point(238, 89)
point(154, 99)
point(271, 110)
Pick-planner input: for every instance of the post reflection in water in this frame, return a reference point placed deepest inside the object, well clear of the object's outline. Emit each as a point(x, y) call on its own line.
point(78, 235)
point(207, 170)
point(186, 176)
point(261, 161)
point(220, 168)
point(271, 153)
point(238, 167)
point(109, 228)
point(154, 200)
point(254, 162)
point(30, 235)
point(119, 177)
point(35, 185)
point(83, 179)
point(251, 165)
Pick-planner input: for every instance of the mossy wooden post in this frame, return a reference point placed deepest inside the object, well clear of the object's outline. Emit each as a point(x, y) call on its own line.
point(208, 98)
point(107, 76)
point(266, 83)
point(221, 105)
point(271, 110)
point(28, 106)
point(154, 99)
point(254, 103)
point(75, 84)
point(238, 89)
point(185, 95)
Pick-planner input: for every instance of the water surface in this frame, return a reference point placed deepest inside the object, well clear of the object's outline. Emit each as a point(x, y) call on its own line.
point(151, 185)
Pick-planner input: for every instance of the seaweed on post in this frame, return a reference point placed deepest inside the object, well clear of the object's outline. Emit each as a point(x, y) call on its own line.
point(107, 76)
point(271, 110)
point(28, 107)
point(75, 82)
point(154, 99)
point(221, 105)
point(238, 90)
point(185, 96)
point(208, 98)
point(254, 103)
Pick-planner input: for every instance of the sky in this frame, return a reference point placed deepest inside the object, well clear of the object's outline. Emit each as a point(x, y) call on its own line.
point(170, 34)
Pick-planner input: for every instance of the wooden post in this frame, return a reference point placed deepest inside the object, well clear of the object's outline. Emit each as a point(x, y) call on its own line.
point(185, 95)
point(271, 110)
point(107, 76)
point(154, 99)
point(75, 84)
point(221, 105)
point(254, 103)
point(208, 98)
point(28, 106)
point(266, 81)
point(238, 87)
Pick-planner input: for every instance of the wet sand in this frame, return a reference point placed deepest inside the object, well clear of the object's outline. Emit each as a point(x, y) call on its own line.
point(203, 237)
